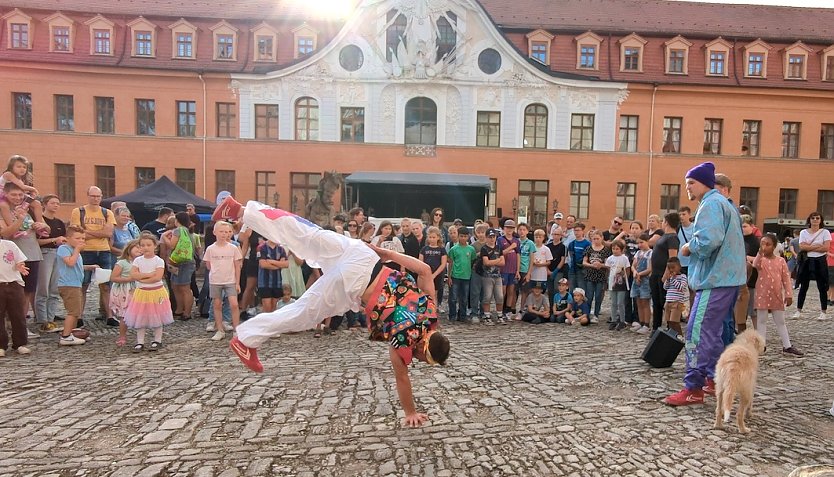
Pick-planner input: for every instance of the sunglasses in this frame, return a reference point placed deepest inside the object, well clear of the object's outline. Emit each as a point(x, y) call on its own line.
point(438, 215)
point(351, 225)
point(815, 218)
point(618, 223)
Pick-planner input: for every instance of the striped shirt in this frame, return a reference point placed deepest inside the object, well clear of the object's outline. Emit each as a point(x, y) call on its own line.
point(677, 289)
point(268, 278)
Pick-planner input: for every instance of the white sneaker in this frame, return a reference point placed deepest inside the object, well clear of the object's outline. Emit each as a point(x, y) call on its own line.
point(23, 350)
point(32, 336)
point(831, 411)
point(475, 320)
point(594, 319)
point(822, 316)
point(227, 326)
point(636, 326)
point(218, 336)
point(252, 311)
point(70, 341)
point(210, 327)
point(797, 314)
point(644, 330)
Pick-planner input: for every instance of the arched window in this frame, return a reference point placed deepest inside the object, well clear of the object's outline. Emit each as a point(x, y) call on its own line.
point(306, 119)
point(420, 121)
point(397, 24)
point(535, 126)
point(446, 36)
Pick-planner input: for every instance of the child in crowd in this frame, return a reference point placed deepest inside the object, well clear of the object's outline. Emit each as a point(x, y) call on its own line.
point(151, 306)
point(476, 282)
point(641, 290)
point(12, 298)
point(286, 298)
point(461, 256)
point(595, 271)
point(773, 292)
point(271, 260)
point(619, 267)
point(541, 258)
point(536, 307)
point(576, 252)
point(526, 249)
point(562, 302)
point(434, 255)
point(510, 270)
point(223, 261)
point(17, 172)
point(580, 311)
point(492, 260)
point(453, 238)
point(70, 274)
point(123, 286)
point(677, 294)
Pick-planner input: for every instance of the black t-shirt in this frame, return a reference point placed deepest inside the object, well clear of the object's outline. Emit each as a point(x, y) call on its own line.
point(631, 247)
point(558, 251)
point(660, 252)
point(411, 246)
point(608, 236)
point(432, 256)
point(751, 248)
point(57, 228)
point(492, 254)
point(155, 227)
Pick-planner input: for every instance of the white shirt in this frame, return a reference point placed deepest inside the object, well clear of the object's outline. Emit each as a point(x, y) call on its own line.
point(821, 236)
point(542, 254)
point(148, 265)
point(393, 244)
point(10, 256)
point(617, 264)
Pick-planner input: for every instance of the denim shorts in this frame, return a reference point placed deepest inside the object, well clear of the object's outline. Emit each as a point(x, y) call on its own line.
point(508, 279)
point(102, 259)
point(642, 290)
point(184, 272)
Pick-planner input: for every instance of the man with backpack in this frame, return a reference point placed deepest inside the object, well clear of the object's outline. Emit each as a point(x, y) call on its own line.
point(98, 224)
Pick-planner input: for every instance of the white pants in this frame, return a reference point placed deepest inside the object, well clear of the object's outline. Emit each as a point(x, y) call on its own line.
point(779, 319)
point(346, 266)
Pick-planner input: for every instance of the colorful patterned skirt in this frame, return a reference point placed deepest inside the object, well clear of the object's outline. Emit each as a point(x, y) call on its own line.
point(150, 308)
point(121, 294)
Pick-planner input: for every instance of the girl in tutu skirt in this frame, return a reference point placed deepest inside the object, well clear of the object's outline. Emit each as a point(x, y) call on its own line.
point(121, 290)
point(150, 308)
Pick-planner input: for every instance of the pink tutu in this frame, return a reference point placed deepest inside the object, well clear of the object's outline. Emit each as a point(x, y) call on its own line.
point(150, 308)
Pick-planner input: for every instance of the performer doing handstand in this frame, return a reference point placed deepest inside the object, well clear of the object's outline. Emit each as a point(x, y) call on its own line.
point(353, 276)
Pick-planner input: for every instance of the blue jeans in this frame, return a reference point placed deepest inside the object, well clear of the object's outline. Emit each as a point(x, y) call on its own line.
point(355, 316)
point(618, 305)
point(475, 287)
point(576, 279)
point(594, 293)
point(458, 299)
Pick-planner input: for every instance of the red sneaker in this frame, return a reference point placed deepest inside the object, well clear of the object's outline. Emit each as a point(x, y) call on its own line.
point(709, 388)
point(248, 356)
point(685, 397)
point(229, 209)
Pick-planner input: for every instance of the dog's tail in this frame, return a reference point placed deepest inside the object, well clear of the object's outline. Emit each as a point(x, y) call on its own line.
point(728, 393)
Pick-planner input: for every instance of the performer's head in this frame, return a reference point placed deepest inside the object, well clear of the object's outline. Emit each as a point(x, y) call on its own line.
point(433, 348)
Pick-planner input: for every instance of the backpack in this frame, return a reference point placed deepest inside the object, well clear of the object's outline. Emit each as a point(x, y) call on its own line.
point(82, 214)
point(184, 250)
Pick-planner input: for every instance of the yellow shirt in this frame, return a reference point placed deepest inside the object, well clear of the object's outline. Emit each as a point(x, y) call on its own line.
point(93, 222)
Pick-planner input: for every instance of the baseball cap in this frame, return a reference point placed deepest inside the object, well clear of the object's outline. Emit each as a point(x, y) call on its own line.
point(557, 216)
point(491, 233)
point(563, 280)
point(509, 223)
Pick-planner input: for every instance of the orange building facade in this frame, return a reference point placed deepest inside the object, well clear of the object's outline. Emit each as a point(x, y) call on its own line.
point(256, 103)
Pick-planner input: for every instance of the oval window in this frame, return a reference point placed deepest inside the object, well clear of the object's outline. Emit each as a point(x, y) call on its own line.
point(489, 61)
point(351, 58)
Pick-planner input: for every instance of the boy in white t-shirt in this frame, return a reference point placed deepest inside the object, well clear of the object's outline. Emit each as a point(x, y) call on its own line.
point(619, 267)
point(12, 270)
point(223, 260)
point(539, 261)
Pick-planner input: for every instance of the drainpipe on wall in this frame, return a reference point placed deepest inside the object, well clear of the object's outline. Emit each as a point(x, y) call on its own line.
point(735, 63)
point(651, 153)
point(205, 127)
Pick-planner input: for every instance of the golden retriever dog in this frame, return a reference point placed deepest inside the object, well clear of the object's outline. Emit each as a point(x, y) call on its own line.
point(736, 373)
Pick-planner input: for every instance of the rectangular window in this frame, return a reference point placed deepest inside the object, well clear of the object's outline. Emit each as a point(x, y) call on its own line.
point(187, 179)
point(144, 176)
point(790, 139)
point(186, 118)
point(628, 133)
point(580, 199)
point(60, 38)
point(64, 114)
point(825, 203)
point(712, 135)
point(265, 48)
point(102, 42)
point(750, 137)
point(750, 197)
point(582, 132)
point(447, 37)
point(538, 51)
point(185, 45)
point(106, 180)
point(827, 143)
point(672, 134)
point(65, 182)
point(787, 203)
point(670, 197)
point(492, 210)
point(146, 117)
point(305, 45)
point(829, 68)
point(226, 119)
point(676, 58)
point(22, 110)
point(353, 124)
point(716, 62)
point(303, 187)
point(105, 118)
point(488, 129)
point(588, 56)
point(626, 199)
point(532, 202)
point(224, 180)
point(755, 64)
point(20, 35)
point(144, 43)
point(225, 47)
point(631, 59)
point(265, 186)
point(796, 65)
point(266, 121)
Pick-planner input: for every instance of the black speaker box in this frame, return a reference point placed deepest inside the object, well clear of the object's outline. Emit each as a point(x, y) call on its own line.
point(663, 349)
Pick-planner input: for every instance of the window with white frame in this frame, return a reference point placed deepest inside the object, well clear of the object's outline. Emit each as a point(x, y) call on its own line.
point(19, 30)
point(101, 36)
point(755, 57)
point(587, 49)
point(717, 56)
point(631, 53)
point(225, 41)
point(143, 38)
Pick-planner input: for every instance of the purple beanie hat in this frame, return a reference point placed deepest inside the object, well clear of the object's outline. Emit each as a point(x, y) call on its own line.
point(703, 173)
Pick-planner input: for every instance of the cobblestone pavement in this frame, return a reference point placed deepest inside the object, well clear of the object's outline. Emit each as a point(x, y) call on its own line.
point(514, 400)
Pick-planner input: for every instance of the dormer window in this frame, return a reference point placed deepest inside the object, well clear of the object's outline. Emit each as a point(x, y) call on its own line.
point(184, 40)
point(796, 61)
point(143, 35)
point(61, 38)
point(755, 57)
point(60, 33)
point(101, 35)
point(19, 28)
point(304, 39)
point(631, 53)
point(828, 63)
point(265, 42)
point(538, 46)
point(225, 41)
point(677, 56)
point(587, 51)
point(717, 57)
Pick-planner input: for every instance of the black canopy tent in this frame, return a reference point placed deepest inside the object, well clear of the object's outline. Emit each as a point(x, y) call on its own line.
point(407, 194)
point(144, 203)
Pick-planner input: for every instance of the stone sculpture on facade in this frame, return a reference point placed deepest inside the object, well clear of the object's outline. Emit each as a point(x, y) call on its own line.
point(320, 210)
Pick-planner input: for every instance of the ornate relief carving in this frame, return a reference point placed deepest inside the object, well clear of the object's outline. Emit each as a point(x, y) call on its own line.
point(621, 96)
point(351, 92)
point(453, 115)
point(388, 106)
point(489, 97)
point(583, 100)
